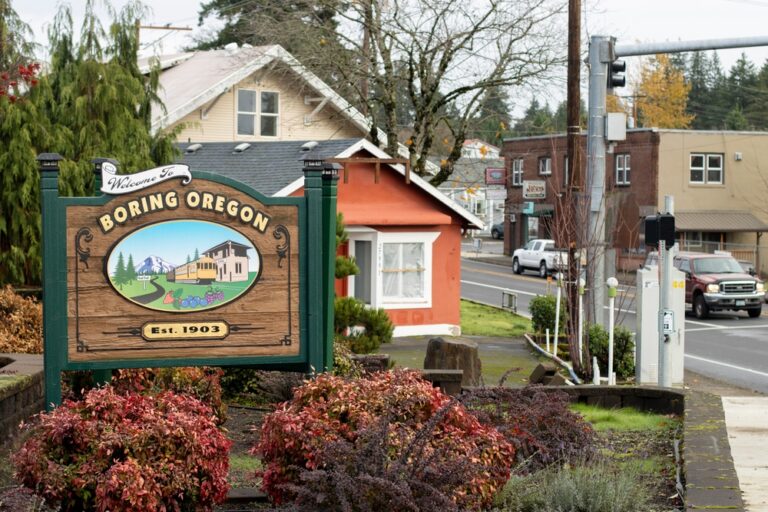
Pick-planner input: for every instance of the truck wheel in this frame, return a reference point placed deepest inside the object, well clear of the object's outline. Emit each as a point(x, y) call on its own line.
point(516, 268)
point(543, 270)
point(755, 312)
point(700, 308)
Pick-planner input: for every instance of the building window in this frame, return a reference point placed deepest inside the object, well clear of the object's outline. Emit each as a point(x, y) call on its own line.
point(517, 172)
point(269, 114)
point(403, 269)
point(706, 168)
point(693, 238)
point(545, 166)
point(622, 169)
point(246, 112)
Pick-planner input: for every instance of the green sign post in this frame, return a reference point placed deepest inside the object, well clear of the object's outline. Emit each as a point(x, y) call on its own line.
point(171, 268)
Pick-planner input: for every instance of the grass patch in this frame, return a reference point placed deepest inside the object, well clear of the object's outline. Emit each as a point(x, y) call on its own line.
point(481, 320)
point(242, 469)
point(624, 419)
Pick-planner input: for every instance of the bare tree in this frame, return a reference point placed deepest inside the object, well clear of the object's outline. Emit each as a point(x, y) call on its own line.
point(419, 67)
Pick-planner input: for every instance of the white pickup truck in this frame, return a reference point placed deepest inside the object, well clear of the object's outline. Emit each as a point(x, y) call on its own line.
point(539, 254)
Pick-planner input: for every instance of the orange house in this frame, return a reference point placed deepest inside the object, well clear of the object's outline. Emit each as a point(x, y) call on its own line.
point(405, 237)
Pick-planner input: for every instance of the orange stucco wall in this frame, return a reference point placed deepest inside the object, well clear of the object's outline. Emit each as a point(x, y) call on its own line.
point(391, 205)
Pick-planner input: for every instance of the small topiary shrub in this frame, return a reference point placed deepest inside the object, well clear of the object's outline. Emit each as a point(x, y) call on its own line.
point(21, 324)
point(543, 308)
point(538, 423)
point(203, 383)
point(126, 452)
point(623, 349)
point(364, 329)
point(298, 435)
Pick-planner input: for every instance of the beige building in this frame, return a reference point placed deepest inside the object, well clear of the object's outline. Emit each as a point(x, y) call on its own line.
point(231, 261)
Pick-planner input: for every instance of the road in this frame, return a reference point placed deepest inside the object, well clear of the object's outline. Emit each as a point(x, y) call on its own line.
point(728, 346)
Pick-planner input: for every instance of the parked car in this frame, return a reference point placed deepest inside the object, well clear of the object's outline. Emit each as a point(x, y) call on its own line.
point(539, 254)
point(716, 282)
point(497, 231)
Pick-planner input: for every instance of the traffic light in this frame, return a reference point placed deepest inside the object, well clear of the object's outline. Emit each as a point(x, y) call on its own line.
point(616, 76)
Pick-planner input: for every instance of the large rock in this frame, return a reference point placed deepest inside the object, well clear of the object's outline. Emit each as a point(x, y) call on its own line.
point(454, 355)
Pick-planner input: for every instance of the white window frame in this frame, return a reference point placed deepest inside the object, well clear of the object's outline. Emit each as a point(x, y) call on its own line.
point(694, 238)
point(546, 163)
point(517, 172)
point(254, 113)
point(705, 169)
point(378, 239)
point(276, 115)
point(622, 169)
point(257, 114)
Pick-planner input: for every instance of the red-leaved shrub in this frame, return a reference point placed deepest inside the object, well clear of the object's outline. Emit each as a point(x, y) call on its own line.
point(539, 423)
point(330, 409)
point(133, 452)
point(203, 383)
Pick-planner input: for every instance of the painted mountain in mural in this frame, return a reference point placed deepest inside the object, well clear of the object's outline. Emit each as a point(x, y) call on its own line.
point(154, 265)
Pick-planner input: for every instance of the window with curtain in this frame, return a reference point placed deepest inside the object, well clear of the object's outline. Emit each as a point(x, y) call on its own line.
point(269, 114)
point(403, 270)
point(246, 112)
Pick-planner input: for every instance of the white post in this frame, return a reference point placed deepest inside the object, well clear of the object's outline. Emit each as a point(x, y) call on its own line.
point(582, 283)
point(557, 310)
point(612, 284)
point(595, 372)
point(548, 351)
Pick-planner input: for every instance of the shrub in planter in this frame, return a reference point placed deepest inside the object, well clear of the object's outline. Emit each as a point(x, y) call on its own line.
point(543, 308)
point(203, 383)
point(364, 329)
point(538, 423)
point(21, 323)
point(126, 452)
point(330, 409)
point(623, 349)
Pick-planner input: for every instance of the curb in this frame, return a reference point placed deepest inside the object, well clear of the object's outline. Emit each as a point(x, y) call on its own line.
point(711, 480)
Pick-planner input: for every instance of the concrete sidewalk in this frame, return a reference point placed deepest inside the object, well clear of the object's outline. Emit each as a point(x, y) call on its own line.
point(745, 419)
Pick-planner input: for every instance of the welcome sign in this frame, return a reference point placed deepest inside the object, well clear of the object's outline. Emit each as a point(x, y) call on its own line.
point(175, 269)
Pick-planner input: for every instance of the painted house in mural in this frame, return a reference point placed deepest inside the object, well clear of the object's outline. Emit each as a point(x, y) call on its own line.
point(231, 261)
point(253, 114)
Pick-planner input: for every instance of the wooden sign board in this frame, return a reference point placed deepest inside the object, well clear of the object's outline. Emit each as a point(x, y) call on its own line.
point(223, 269)
point(172, 268)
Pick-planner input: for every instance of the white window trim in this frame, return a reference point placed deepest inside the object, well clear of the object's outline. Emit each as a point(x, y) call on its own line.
point(547, 166)
point(624, 158)
point(267, 114)
point(378, 240)
point(257, 115)
point(705, 169)
point(517, 174)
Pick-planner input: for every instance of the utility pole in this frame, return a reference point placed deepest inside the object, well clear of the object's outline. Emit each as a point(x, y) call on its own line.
point(571, 210)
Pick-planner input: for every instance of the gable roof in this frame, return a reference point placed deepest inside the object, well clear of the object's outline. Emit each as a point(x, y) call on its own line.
point(274, 168)
point(190, 81)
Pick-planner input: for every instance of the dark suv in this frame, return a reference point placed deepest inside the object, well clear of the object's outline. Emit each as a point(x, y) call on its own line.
point(716, 282)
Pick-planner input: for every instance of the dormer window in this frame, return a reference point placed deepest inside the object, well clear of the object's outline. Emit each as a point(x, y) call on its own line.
point(251, 104)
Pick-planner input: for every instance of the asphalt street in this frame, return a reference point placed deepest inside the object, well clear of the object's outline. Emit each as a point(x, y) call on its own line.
point(727, 346)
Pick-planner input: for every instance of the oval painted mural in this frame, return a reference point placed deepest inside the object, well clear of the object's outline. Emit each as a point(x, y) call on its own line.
point(183, 266)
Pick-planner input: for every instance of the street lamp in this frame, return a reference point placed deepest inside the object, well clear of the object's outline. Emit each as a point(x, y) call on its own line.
point(612, 283)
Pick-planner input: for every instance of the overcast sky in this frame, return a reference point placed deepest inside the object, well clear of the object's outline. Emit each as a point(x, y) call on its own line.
point(630, 21)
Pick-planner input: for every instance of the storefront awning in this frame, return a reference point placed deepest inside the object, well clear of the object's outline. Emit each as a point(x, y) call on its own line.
point(712, 220)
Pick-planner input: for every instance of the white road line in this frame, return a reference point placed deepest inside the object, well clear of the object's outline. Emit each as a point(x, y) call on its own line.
point(721, 327)
point(732, 366)
point(700, 323)
point(500, 288)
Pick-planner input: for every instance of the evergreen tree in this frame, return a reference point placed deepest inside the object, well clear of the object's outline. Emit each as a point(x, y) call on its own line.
point(742, 84)
point(120, 277)
point(493, 121)
point(197, 254)
point(130, 270)
point(537, 120)
point(736, 120)
point(760, 106)
point(188, 259)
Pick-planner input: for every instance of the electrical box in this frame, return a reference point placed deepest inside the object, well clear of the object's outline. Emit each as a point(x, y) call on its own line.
point(660, 227)
point(647, 340)
point(615, 126)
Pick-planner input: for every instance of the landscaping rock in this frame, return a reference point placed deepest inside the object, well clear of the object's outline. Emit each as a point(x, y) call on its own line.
point(454, 355)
